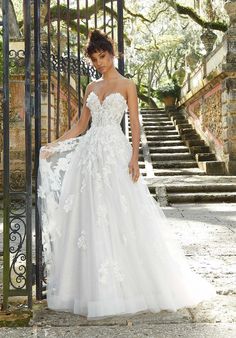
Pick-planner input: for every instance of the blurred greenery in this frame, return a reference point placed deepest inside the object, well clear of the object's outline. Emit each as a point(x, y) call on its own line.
point(161, 43)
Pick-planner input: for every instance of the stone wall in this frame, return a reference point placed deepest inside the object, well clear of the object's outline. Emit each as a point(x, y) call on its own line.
point(17, 122)
point(205, 113)
point(208, 97)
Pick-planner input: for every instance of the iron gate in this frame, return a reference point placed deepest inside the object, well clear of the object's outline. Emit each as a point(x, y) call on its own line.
point(45, 69)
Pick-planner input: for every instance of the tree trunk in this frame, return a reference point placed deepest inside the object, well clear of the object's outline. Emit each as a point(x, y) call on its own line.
point(13, 24)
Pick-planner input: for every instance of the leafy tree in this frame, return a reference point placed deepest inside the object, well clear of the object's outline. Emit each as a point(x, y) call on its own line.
point(159, 35)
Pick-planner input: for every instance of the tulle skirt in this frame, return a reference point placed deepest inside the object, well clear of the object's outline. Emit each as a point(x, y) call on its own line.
point(108, 246)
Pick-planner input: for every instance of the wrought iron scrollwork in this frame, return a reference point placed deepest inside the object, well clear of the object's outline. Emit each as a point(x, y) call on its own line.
point(16, 58)
point(17, 236)
point(17, 180)
point(18, 207)
point(18, 271)
point(65, 64)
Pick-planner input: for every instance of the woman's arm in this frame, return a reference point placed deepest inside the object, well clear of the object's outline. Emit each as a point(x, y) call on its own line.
point(80, 126)
point(135, 129)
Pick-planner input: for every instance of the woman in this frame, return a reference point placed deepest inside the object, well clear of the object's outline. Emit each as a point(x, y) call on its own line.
point(108, 245)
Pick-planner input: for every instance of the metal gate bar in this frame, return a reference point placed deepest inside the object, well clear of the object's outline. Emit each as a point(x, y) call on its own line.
point(17, 260)
point(28, 150)
point(6, 164)
point(37, 115)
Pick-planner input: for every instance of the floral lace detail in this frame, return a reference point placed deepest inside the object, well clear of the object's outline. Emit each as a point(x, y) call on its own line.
point(102, 216)
point(83, 185)
point(96, 155)
point(69, 203)
point(60, 146)
point(82, 242)
point(104, 113)
point(110, 267)
point(41, 192)
point(63, 163)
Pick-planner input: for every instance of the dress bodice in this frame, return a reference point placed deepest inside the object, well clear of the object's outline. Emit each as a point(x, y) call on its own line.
point(108, 112)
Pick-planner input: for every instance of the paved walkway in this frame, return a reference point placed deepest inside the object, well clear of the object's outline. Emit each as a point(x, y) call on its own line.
point(207, 233)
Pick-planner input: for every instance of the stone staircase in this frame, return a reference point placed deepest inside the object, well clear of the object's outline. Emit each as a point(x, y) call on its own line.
point(177, 164)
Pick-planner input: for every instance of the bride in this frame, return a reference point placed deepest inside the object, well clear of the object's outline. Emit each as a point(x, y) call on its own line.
point(108, 247)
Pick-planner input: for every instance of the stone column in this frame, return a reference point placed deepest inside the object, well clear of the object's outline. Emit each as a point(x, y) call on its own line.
point(229, 123)
point(229, 92)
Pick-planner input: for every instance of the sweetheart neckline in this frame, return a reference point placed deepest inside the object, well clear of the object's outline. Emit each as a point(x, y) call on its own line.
point(102, 102)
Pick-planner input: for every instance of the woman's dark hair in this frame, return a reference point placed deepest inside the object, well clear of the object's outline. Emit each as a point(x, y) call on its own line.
point(98, 41)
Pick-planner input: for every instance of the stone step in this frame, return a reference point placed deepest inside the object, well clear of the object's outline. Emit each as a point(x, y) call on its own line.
point(161, 132)
point(154, 114)
point(164, 123)
point(141, 164)
point(152, 191)
point(156, 137)
point(175, 164)
point(156, 132)
point(197, 142)
point(159, 117)
point(188, 130)
point(163, 128)
point(154, 118)
point(165, 143)
point(202, 197)
point(182, 126)
point(190, 136)
point(205, 157)
point(157, 122)
point(175, 147)
point(148, 110)
point(213, 167)
point(167, 150)
point(172, 156)
point(199, 149)
point(178, 120)
point(175, 114)
point(175, 172)
point(216, 187)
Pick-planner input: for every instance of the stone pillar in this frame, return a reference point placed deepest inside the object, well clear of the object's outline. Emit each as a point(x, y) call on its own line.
point(229, 123)
point(229, 92)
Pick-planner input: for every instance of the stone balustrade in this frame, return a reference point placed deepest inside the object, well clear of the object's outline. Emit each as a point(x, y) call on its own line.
point(208, 96)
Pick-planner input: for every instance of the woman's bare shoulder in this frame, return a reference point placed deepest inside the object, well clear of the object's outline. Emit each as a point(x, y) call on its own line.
point(91, 86)
point(128, 82)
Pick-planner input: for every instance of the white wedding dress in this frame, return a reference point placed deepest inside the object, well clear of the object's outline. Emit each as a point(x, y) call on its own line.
point(108, 247)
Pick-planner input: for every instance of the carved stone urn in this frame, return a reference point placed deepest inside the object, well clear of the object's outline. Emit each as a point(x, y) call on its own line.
point(230, 7)
point(208, 39)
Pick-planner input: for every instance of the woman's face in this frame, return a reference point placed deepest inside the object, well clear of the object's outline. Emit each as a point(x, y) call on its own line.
point(102, 61)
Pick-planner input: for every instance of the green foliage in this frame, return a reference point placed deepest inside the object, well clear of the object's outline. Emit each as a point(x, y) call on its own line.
point(170, 88)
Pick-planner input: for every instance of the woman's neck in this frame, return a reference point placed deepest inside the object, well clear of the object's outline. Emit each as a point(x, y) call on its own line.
point(112, 74)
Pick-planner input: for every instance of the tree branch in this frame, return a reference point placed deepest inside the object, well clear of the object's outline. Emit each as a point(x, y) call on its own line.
point(83, 13)
point(14, 30)
point(180, 9)
point(143, 18)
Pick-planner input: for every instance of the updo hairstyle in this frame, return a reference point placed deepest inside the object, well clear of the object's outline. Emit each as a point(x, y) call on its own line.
point(99, 41)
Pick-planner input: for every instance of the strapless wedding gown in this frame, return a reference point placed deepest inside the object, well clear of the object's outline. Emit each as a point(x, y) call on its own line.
point(108, 247)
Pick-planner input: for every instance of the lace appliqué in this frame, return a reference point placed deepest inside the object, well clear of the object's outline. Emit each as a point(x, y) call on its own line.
point(102, 216)
point(69, 203)
point(82, 242)
point(107, 268)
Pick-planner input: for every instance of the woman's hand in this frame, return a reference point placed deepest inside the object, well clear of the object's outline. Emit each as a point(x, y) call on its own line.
point(134, 169)
point(47, 150)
